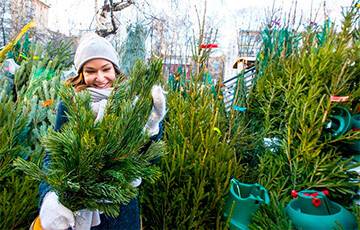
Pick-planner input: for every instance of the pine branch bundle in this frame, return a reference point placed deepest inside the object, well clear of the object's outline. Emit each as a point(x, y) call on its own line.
point(92, 164)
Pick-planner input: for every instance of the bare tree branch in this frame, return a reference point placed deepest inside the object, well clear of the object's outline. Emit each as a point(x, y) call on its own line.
point(121, 5)
point(112, 7)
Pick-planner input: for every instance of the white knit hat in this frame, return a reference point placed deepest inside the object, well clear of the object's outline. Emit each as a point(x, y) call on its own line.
point(93, 46)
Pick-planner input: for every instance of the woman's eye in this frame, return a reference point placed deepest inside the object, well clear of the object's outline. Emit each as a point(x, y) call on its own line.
point(107, 69)
point(89, 71)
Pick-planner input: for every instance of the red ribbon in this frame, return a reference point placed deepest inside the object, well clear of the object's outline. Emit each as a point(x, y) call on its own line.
point(339, 98)
point(209, 46)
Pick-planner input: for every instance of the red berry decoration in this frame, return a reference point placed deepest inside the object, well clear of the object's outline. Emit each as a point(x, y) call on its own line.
point(294, 193)
point(316, 202)
point(326, 192)
point(315, 194)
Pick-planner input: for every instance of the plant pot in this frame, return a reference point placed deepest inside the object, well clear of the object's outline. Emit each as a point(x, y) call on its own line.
point(242, 201)
point(312, 210)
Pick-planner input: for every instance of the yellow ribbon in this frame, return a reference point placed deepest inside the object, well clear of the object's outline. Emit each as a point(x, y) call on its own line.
point(12, 43)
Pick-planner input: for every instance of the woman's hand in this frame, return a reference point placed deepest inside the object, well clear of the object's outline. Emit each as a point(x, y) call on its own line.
point(158, 110)
point(54, 215)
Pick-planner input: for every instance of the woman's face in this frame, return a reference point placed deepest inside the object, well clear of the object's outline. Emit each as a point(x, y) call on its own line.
point(99, 73)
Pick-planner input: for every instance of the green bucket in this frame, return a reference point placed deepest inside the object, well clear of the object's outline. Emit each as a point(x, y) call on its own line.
point(312, 210)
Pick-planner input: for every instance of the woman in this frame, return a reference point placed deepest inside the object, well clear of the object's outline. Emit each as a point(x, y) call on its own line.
point(97, 64)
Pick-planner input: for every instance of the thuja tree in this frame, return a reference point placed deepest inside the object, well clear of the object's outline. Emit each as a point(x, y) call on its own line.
point(133, 48)
point(291, 103)
point(18, 194)
point(27, 111)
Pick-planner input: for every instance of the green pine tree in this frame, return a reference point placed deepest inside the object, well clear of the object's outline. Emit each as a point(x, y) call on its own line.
point(201, 160)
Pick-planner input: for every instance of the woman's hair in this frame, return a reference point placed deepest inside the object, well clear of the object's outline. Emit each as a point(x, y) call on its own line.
point(78, 82)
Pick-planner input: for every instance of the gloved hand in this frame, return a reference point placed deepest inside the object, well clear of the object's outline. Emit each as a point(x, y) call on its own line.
point(158, 110)
point(85, 219)
point(54, 215)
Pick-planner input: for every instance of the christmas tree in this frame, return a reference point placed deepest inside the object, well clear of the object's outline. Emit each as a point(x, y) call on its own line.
point(201, 158)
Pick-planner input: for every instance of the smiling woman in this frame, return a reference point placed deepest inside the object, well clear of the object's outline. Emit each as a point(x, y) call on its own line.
point(99, 73)
point(96, 62)
point(97, 65)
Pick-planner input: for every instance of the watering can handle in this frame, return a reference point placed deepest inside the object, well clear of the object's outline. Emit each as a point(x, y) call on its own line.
point(342, 125)
point(266, 197)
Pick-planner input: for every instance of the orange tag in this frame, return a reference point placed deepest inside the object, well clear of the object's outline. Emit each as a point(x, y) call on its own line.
point(47, 103)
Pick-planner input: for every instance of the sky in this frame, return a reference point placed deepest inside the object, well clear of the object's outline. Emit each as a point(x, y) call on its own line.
point(73, 16)
point(70, 16)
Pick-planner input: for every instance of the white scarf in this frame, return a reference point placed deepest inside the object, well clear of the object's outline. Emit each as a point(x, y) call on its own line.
point(99, 98)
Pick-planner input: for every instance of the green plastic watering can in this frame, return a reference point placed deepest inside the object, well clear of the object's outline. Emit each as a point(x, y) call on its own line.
point(242, 202)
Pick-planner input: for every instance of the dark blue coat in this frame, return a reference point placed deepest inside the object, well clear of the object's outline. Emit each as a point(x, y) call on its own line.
point(130, 213)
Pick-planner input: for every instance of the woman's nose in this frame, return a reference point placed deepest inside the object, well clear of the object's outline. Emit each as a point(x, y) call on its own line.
point(100, 75)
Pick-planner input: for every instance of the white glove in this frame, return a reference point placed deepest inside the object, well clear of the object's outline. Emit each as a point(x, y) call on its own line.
point(136, 183)
point(158, 110)
point(86, 219)
point(54, 215)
